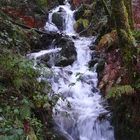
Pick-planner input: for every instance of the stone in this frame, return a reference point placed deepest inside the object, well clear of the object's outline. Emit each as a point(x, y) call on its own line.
point(67, 54)
point(95, 58)
point(61, 2)
point(100, 66)
point(81, 25)
point(58, 20)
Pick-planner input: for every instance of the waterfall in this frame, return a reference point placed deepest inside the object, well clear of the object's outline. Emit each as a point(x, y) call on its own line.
point(80, 114)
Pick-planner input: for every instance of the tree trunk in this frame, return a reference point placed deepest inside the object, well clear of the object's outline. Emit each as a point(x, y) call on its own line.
point(128, 4)
point(125, 38)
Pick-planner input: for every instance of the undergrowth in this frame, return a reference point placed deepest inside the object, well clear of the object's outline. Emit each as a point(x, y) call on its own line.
point(21, 94)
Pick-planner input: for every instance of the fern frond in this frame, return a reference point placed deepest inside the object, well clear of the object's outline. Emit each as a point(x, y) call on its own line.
point(118, 91)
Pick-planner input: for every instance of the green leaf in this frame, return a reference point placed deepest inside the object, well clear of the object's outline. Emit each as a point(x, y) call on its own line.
point(25, 112)
point(16, 111)
point(118, 91)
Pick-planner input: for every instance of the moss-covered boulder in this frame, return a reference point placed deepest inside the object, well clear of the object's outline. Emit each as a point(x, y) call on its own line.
point(81, 25)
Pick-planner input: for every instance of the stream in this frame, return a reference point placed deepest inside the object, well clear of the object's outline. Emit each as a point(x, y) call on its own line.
point(81, 113)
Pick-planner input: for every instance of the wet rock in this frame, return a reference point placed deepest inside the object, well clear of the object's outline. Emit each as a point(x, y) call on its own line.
point(100, 66)
point(81, 25)
point(45, 59)
point(63, 61)
point(95, 58)
point(93, 62)
point(93, 46)
point(43, 42)
point(61, 2)
point(94, 90)
point(103, 116)
point(58, 20)
point(67, 54)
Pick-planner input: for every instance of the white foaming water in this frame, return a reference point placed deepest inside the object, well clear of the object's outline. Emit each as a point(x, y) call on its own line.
point(43, 52)
point(81, 115)
point(69, 20)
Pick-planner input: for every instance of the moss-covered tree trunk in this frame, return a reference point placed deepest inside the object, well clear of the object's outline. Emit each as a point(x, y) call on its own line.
point(126, 128)
point(125, 38)
point(128, 4)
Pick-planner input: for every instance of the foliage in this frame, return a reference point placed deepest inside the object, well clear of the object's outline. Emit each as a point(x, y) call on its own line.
point(42, 3)
point(20, 90)
point(136, 34)
point(18, 84)
point(118, 91)
point(13, 37)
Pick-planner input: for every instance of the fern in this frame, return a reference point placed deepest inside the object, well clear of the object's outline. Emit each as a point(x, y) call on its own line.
point(118, 91)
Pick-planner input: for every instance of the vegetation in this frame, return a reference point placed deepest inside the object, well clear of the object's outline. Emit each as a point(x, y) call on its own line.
point(25, 106)
point(21, 94)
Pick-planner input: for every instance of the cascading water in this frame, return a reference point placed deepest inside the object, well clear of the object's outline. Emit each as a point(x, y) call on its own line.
point(81, 115)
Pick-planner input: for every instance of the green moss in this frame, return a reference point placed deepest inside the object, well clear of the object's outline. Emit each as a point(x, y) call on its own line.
point(84, 22)
point(136, 34)
point(87, 14)
point(81, 24)
point(42, 3)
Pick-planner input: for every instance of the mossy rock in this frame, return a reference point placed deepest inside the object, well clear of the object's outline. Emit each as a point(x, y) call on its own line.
point(81, 24)
point(87, 14)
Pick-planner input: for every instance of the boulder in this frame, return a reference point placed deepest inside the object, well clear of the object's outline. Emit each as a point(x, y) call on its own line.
point(58, 20)
point(81, 25)
point(95, 58)
point(61, 2)
point(68, 53)
point(66, 56)
point(100, 66)
point(45, 59)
